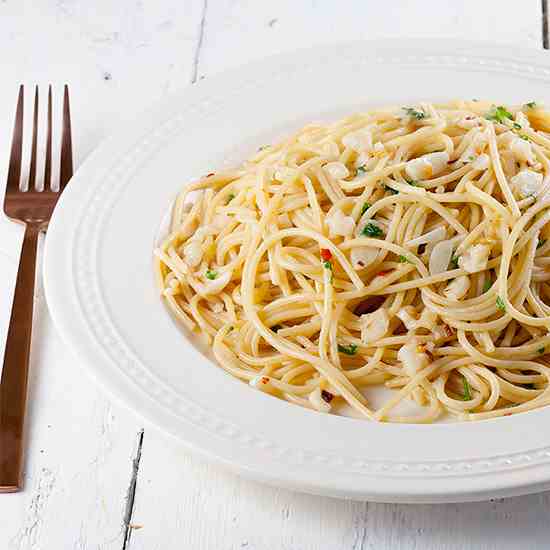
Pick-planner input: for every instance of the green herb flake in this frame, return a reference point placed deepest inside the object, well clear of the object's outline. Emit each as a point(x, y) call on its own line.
point(486, 285)
point(541, 350)
point(531, 105)
point(467, 389)
point(328, 265)
point(500, 304)
point(414, 183)
point(361, 169)
point(403, 259)
point(413, 113)
point(230, 197)
point(365, 207)
point(348, 350)
point(499, 114)
point(454, 262)
point(524, 136)
point(372, 230)
point(211, 274)
point(471, 158)
point(541, 243)
point(391, 189)
point(516, 126)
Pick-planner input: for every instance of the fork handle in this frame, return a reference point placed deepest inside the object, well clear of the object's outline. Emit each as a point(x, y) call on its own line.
point(13, 384)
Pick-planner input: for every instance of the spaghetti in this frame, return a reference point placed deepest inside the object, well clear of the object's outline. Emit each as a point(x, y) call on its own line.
point(403, 247)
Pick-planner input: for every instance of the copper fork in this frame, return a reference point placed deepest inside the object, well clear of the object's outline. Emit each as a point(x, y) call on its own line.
point(33, 208)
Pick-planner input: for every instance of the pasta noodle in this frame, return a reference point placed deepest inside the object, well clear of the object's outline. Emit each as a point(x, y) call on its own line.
point(403, 247)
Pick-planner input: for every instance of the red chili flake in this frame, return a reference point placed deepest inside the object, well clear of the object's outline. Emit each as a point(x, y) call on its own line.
point(326, 396)
point(326, 254)
point(383, 273)
point(265, 379)
point(210, 174)
point(507, 414)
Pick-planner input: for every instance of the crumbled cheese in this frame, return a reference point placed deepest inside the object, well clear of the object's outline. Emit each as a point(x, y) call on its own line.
point(374, 325)
point(457, 288)
point(337, 170)
point(527, 182)
point(192, 253)
point(440, 257)
point(475, 258)
point(359, 141)
point(433, 236)
point(427, 166)
point(317, 401)
point(362, 256)
point(481, 163)
point(340, 224)
point(413, 357)
point(522, 150)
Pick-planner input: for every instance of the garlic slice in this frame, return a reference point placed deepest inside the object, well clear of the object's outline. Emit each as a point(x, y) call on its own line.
point(440, 257)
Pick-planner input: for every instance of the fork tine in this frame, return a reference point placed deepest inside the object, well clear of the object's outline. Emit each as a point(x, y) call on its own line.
point(32, 167)
point(48, 161)
point(14, 170)
point(66, 170)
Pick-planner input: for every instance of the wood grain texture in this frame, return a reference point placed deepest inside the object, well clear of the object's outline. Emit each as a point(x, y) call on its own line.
point(118, 57)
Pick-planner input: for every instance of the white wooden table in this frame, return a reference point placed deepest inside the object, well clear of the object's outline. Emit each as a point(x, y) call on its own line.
point(85, 452)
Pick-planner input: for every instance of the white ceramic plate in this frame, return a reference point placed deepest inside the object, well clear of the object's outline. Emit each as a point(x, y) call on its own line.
point(101, 292)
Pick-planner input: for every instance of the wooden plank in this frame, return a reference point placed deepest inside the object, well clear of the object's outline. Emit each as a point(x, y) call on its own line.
point(117, 57)
point(240, 31)
point(183, 502)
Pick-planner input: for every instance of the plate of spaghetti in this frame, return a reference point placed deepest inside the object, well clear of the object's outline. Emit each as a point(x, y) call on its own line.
point(346, 293)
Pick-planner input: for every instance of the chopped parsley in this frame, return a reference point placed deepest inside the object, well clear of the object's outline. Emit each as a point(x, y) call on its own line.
point(361, 169)
point(372, 230)
point(524, 136)
point(328, 265)
point(486, 285)
point(403, 259)
point(471, 158)
point(454, 262)
point(365, 207)
point(390, 189)
point(412, 182)
point(499, 114)
point(541, 350)
point(230, 197)
point(531, 104)
point(348, 350)
point(413, 113)
point(211, 274)
point(500, 304)
point(467, 390)
point(516, 126)
point(541, 243)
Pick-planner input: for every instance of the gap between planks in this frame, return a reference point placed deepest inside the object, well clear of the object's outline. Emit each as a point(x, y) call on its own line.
point(131, 497)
